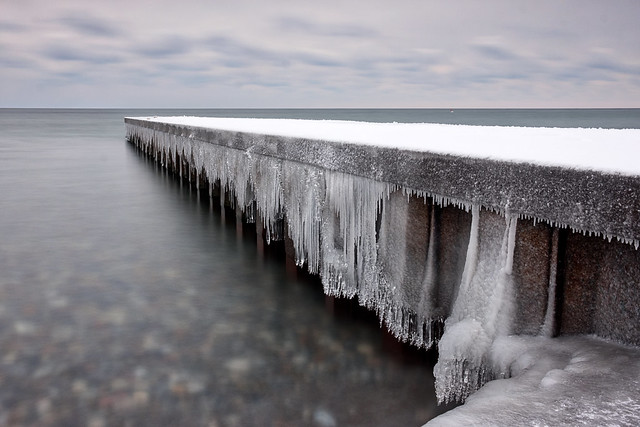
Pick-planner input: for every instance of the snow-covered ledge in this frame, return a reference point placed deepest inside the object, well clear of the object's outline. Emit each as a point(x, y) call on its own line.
point(491, 231)
point(585, 179)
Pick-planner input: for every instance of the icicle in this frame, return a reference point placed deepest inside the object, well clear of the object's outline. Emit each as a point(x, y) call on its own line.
point(511, 243)
point(348, 246)
point(392, 258)
point(548, 326)
point(266, 174)
point(303, 200)
point(482, 311)
point(425, 309)
point(472, 250)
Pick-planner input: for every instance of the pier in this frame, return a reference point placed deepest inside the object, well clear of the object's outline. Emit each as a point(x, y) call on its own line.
point(447, 249)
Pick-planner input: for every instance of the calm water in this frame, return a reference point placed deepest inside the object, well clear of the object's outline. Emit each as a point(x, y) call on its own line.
point(125, 300)
point(587, 118)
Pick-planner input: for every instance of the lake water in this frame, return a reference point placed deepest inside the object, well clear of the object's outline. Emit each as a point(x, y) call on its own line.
point(126, 300)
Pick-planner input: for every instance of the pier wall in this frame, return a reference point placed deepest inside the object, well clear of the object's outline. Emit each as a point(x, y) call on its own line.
point(472, 247)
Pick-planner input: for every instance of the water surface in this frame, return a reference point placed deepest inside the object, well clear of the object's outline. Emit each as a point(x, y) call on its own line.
point(124, 300)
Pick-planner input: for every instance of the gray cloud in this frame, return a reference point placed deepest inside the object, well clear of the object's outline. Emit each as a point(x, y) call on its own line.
point(76, 77)
point(90, 25)
point(74, 53)
point(613, 66)
point(291, 24)
point(494, 52)
point(331, 54)
point(11, 27)
point(16, 63)
point(165, 47)
point(315, 60)
point(236, 52)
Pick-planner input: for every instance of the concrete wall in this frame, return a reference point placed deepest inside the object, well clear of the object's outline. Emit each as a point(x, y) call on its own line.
point(598, 280)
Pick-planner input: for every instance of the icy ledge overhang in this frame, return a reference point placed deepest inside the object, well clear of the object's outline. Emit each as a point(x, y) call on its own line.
point(585, 179)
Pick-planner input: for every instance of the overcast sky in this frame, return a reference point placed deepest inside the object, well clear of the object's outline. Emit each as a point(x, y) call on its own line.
point(329, 53)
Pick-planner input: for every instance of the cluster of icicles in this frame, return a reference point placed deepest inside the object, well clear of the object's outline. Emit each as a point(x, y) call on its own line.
point(352, 232)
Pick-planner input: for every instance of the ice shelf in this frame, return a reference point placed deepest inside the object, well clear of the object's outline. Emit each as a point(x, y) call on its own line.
point(445, 247)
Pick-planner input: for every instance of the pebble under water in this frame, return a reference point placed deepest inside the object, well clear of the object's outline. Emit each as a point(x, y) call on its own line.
point(126, 300)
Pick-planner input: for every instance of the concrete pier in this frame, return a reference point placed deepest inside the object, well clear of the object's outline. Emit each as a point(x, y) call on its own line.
point(401, 241)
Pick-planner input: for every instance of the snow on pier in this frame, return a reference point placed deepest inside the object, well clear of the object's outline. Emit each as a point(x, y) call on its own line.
point(584, 179)
point(481, 232)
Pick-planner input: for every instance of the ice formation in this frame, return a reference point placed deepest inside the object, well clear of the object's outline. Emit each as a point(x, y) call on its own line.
point(332, 220)
point(549, 318)
point(482, 311)
point(353, 232)
point(579, 380)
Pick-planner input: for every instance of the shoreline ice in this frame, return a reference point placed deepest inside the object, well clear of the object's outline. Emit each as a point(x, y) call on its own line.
point(568, 380)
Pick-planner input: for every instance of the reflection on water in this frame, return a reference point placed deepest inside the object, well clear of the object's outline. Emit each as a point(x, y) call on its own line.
point(125, 300)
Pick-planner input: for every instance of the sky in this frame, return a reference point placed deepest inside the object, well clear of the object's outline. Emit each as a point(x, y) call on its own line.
point(320, 54)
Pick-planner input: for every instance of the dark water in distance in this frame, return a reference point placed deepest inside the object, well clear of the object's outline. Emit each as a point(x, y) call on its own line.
point(613, 118)
point(125, 299)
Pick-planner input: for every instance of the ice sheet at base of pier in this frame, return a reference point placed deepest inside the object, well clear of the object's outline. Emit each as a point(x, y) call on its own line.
point(559, 381)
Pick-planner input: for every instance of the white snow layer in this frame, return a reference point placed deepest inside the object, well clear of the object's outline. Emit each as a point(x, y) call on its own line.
point(606, 150)
point(579, 380)
point(352, 231)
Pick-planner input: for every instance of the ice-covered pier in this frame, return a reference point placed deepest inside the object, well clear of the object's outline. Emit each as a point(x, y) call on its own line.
point(455, 235)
